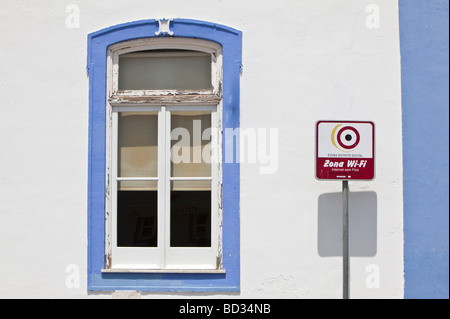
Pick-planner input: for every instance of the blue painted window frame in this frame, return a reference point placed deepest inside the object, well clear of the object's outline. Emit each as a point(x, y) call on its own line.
point(98, 43)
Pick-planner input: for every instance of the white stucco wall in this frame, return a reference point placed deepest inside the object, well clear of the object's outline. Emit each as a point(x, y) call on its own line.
point(304, 61)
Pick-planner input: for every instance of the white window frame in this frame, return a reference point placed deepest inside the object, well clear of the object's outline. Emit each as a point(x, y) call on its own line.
point(163, 258)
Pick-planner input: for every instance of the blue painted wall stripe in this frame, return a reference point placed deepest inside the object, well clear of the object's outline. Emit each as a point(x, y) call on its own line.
point(425, 80)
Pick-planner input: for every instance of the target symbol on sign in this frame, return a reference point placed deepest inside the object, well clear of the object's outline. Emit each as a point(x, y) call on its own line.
point(345, 139)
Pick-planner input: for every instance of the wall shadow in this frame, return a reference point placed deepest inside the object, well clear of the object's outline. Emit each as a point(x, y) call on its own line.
point(362, 224)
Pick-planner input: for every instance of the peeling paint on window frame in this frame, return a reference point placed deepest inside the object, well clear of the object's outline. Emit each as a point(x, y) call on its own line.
point(135, 100)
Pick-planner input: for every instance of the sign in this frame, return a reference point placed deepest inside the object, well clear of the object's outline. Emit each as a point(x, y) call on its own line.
point(345, 150)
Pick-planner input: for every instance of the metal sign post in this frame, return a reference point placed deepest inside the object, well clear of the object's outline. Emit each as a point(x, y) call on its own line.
point(345, 150)
point(345, 242)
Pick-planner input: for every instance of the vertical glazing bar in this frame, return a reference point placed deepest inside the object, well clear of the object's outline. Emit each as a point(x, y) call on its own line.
point(162, 182)
point(345, 241)
point(167, 183)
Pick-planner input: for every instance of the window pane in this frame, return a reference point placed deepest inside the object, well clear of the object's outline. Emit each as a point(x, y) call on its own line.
point(191, 144)
point(190, 218)
point(165, 70)
point(138, 185)
point(191, 185)
point(138, 144)
point(137, 219)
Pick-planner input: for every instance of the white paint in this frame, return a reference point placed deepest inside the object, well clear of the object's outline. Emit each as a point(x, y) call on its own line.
point(373, 17)
point(164, 27)
point(73, 277)
point(73, 17)
point(126, 294)
point(326, 65)
point(373, 278)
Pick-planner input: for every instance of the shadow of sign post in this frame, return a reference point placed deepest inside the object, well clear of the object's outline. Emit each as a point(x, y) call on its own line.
point(362, 224)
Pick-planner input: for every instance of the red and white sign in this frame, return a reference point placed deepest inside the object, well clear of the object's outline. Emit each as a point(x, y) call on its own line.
point(345, 150)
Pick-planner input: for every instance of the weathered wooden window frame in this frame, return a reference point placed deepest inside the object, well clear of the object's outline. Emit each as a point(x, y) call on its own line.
point(230, 40)
point(167, 97)
point(165, 258)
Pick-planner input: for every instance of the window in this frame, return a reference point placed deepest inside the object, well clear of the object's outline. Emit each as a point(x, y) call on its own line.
point(163, 207)
point(162, 170)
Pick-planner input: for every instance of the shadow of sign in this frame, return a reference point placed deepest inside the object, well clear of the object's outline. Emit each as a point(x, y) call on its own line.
point(362, 224)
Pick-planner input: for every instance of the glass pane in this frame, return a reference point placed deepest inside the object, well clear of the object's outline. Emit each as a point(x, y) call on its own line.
point(191, 144)
point(190, 218)
point(191, 185)
point(138, 185)
point(138, 144)
point(137, 222)
point(165, 70)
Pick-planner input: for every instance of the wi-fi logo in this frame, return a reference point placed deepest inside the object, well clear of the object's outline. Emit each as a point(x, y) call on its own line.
point(345, 138)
